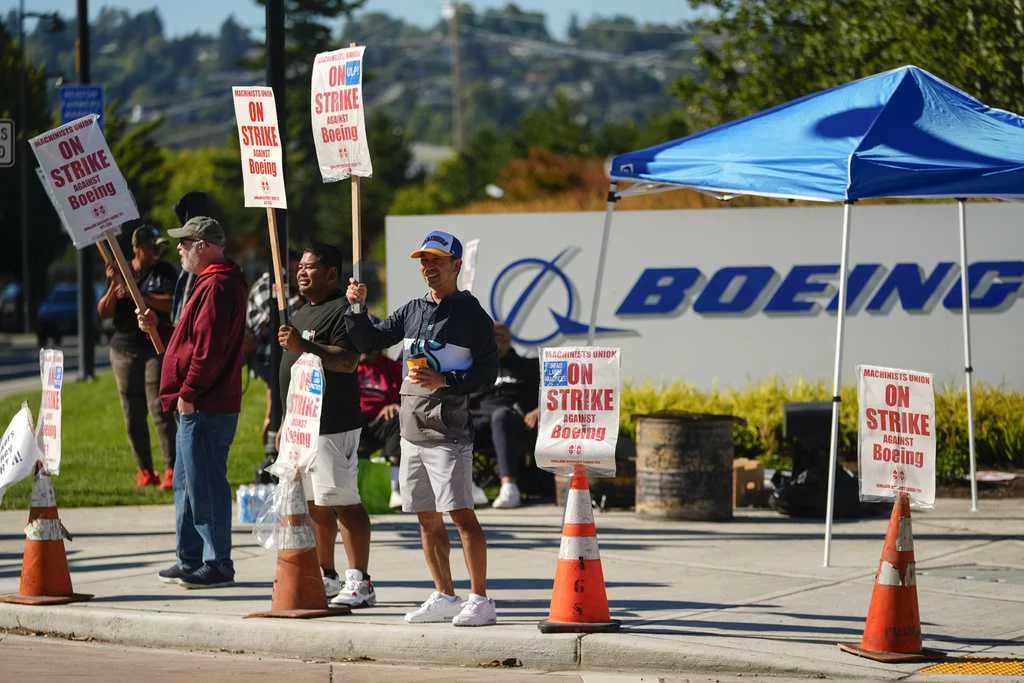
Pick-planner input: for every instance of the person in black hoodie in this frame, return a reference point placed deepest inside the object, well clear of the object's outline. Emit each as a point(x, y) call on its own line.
point(449, 353)
point(505, 414)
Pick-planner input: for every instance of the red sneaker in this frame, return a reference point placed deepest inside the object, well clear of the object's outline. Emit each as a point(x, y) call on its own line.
point(168, 481)
point(144, 478)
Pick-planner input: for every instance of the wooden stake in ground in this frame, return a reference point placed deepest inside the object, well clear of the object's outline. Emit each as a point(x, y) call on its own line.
point(128, 276)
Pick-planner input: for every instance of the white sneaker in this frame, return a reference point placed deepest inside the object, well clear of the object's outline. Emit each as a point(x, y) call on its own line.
point(477, 611)
point(395, 502)
point(508, 497)
point(331, 586)
point(357, 592)
point(438, 607)
point(479, 497)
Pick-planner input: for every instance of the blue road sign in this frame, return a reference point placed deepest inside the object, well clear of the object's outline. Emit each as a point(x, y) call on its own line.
point(77, 101)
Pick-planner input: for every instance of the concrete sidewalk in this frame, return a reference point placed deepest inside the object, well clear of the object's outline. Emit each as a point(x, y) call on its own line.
point(742, 597)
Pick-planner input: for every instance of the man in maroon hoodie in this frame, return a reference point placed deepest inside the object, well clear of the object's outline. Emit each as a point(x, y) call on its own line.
point(201, 378)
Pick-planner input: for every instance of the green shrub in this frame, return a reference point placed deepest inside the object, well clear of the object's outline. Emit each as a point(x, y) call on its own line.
point(998, 422)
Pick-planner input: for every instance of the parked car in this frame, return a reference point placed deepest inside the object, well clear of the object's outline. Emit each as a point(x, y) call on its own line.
point(10, 308)
point(58, 313)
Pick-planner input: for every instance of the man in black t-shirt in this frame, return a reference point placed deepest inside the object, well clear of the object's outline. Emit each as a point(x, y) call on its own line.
point(132, 356)
point(331, 486)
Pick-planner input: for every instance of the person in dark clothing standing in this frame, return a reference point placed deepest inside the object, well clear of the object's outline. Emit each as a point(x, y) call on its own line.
point(135, 362)
point(201, 377)
point(380, 379)
point(506, 413)
point(193, 203)
point(449, 353)
point(332, 485)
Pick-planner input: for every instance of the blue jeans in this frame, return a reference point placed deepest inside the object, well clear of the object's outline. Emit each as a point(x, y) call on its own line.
point(202, 495)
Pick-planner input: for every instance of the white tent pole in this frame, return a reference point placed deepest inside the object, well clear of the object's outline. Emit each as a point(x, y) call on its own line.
point(833, 445)
point(965, 292)
point(612, 198)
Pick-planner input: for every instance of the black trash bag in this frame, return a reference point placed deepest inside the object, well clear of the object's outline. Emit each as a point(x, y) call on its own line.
point(263, 476)
point(806, 494)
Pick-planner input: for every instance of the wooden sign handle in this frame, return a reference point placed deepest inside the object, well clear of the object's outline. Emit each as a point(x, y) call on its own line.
point(275, 257)
point(129, 280)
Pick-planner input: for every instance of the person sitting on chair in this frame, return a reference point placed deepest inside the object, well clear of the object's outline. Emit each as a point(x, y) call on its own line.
point(505, 414)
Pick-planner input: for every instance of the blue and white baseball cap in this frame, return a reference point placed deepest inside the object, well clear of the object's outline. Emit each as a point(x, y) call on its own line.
point(439, 243)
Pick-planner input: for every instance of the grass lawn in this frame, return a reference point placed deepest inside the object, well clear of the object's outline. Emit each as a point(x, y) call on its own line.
point(97, 466)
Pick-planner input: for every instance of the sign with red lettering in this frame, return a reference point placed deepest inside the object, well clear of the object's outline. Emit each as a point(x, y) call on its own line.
point(579, 409)
point(84, 182)
point(896, 434)
point(262, 167)
point(339, 123)
point(301, 427)
point(51, 370)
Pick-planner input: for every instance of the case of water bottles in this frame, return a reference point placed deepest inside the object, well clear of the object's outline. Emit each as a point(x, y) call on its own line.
point(251, 500)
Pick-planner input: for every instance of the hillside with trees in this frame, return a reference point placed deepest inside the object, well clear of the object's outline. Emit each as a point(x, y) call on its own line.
point(540, 114)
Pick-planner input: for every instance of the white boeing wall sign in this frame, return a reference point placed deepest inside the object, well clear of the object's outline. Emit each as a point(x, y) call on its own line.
point(732, 296)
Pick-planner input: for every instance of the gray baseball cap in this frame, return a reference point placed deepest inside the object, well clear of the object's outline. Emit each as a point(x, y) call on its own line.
point(200, 228)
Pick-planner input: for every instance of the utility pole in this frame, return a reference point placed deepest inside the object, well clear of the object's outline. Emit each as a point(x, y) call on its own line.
point(23, 164)
point(86, 258)
point(276, 80)
point(451, 12)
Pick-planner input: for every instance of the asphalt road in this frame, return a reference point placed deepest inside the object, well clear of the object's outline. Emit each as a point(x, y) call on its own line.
point(19, 357)
point(35, 658)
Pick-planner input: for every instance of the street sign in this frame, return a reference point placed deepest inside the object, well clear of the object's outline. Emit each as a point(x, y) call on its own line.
point(77, 101)
point(6, 143)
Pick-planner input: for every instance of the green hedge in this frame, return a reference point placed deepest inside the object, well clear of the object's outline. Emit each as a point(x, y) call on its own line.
point(998, 419)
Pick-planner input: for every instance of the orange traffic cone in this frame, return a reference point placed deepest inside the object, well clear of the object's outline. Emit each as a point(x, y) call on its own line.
point(45, 579)
point(892, 632)
point(298, 586)
point(579, 603)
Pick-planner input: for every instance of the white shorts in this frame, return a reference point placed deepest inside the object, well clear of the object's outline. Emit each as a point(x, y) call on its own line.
point(436, 478)
point(333, 478)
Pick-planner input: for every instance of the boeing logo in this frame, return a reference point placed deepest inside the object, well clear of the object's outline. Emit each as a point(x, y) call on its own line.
point(522, 285)
point(524, 288)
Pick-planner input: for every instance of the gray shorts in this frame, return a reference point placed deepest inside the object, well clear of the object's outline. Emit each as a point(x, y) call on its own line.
point(436, 478)
point(333, 479)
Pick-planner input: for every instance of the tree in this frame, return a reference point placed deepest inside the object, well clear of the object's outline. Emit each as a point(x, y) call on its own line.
point(755, 54)
point(232, 44)
point(141, 160)
point(46, 240)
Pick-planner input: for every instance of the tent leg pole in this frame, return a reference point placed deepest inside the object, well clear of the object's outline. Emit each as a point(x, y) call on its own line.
point(612, 198)
point(965, 307)
point(833, 445)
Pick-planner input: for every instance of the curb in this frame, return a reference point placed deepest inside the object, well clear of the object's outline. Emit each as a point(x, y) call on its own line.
point(434, 644)
point(329, 639)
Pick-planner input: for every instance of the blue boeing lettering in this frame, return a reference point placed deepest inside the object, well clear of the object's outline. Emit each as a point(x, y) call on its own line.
point(995, 285)
point(906, 281)
point(753, 280)
point(998, 290)
point(659, 291)
point(797, 283)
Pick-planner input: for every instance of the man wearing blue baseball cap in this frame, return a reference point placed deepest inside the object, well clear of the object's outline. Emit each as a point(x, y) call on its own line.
point(449, 352)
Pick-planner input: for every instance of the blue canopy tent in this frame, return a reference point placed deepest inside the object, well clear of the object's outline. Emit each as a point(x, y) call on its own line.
point(901, 133)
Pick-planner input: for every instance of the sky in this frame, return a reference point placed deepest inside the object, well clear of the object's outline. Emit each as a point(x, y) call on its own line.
point(185, 16)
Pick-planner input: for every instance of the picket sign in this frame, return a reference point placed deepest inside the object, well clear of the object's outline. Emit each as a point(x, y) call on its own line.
point(339, 127)
point(579, 409)
point(19, 450)
point(89, 192)
point(896, 434)
point(301, 426)
point(86, 186)
point(262, 159)
point(48, 429)
point(469, 253)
